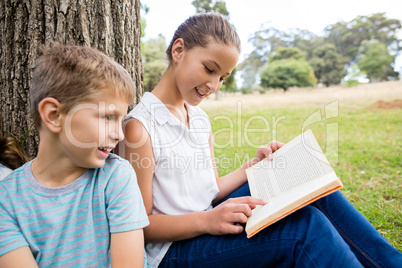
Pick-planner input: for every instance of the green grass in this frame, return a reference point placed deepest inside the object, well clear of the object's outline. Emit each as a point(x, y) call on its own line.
point(366, 154)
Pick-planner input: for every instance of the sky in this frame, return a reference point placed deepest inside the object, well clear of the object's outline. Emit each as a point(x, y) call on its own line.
point(248, 16)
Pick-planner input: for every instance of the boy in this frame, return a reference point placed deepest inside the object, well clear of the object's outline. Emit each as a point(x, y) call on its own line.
point(74, 204)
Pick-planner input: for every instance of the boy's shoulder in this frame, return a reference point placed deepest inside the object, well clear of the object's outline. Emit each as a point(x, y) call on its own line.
point(115, 160)
point(114, 163)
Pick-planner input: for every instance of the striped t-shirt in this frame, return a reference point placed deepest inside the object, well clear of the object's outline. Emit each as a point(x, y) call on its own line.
point(70, 226)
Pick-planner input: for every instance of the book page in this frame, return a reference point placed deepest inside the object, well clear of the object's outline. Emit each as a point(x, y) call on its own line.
point(283, 201)
point(296, 163)
point(299, 174)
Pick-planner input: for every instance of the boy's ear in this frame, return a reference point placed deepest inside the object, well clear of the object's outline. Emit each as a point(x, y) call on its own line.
point(49, 110)
point(177, 49)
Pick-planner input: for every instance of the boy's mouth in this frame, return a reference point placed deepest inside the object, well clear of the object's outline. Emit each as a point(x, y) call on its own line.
point(105, 149)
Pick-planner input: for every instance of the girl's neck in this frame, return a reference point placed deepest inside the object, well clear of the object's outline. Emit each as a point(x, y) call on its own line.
point(167, 92)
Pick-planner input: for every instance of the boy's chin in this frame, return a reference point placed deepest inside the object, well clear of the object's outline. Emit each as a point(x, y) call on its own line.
point(94, 165)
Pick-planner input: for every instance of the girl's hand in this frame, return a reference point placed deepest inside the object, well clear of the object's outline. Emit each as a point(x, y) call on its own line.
point(267, 151)
point(264, 152)
point(224, 218)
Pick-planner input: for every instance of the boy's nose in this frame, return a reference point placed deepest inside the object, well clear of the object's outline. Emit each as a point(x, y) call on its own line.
point(117, 133)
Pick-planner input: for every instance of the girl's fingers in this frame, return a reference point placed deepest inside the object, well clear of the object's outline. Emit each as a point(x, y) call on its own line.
point(235, 229)
point(275, 145)
point(247, 200)
point(240, 217)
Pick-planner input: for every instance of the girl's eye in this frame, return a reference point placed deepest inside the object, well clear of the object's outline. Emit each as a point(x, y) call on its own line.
point(222, 79)
point(208, 69)
point(108, 117)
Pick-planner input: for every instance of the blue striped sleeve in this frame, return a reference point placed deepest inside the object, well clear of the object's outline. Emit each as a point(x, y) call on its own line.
point(124, 205)
point(10, 233)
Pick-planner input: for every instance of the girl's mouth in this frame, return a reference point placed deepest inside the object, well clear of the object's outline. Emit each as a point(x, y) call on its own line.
point(202, 94)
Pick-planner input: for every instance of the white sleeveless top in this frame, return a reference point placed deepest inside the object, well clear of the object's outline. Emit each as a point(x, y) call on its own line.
point(184, 180)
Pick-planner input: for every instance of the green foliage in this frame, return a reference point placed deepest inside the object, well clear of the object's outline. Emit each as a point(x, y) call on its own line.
point(266, 41)
point(229, 84)
point(284, 53)
point(202, 6)
point(287, 67)
point(143, 25)
point(245, 90)
point(375, 60)
point(143, 8)
point(23, 137)
point(250, 67)
point(328, 64)
point(348, 36)
point(351, 83)
point(154, 61)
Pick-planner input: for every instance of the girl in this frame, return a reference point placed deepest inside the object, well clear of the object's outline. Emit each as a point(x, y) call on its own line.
point(196, 217)
point(11, 156)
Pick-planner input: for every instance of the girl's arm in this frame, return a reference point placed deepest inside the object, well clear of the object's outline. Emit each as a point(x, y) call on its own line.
point(230, 182)
point(162, 228)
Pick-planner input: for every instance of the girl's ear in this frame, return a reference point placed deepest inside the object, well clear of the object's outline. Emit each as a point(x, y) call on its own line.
point(49, 110)
point(177, 49)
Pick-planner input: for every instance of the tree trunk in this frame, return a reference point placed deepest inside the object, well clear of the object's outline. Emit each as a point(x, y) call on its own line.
point(110, 26)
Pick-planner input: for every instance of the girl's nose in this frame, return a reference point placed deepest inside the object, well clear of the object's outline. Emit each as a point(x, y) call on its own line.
point(214, 85)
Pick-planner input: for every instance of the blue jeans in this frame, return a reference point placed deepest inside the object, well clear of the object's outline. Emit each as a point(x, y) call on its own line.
point(328, 233)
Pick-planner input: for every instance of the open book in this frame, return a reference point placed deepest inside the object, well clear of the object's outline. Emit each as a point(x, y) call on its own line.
point(298, 175)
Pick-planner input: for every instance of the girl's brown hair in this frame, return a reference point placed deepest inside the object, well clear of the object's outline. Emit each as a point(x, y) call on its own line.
point(200, 29)
point(11, 155)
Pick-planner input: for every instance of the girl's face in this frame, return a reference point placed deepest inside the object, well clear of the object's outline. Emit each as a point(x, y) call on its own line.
point(201, 70)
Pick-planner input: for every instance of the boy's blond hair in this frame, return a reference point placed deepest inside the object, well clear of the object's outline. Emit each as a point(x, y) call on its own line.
point(74, 74)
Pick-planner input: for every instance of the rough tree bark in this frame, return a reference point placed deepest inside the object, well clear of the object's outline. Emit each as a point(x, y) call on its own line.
point(112, 26)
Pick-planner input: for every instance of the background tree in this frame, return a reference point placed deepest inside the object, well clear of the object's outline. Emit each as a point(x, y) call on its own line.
point(328, 65)
point(202, 6)
point(287, 53)
point(287, 67)
point(229, 84)
point(155, 64)
point(374, 60)
point(348, 36)
point(25, 25)
point(266, 40)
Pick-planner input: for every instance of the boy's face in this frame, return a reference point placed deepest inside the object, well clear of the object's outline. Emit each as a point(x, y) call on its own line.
point(93, 128)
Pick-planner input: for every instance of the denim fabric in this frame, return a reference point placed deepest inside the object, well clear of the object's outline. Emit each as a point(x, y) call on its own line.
point(329, 233)
point(370, 247)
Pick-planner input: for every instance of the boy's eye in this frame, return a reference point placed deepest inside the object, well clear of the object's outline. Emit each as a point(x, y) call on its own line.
point(108, 117)
point(222, 79)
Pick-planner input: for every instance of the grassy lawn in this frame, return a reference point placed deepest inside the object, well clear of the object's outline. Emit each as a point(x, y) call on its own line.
point(362, 142)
